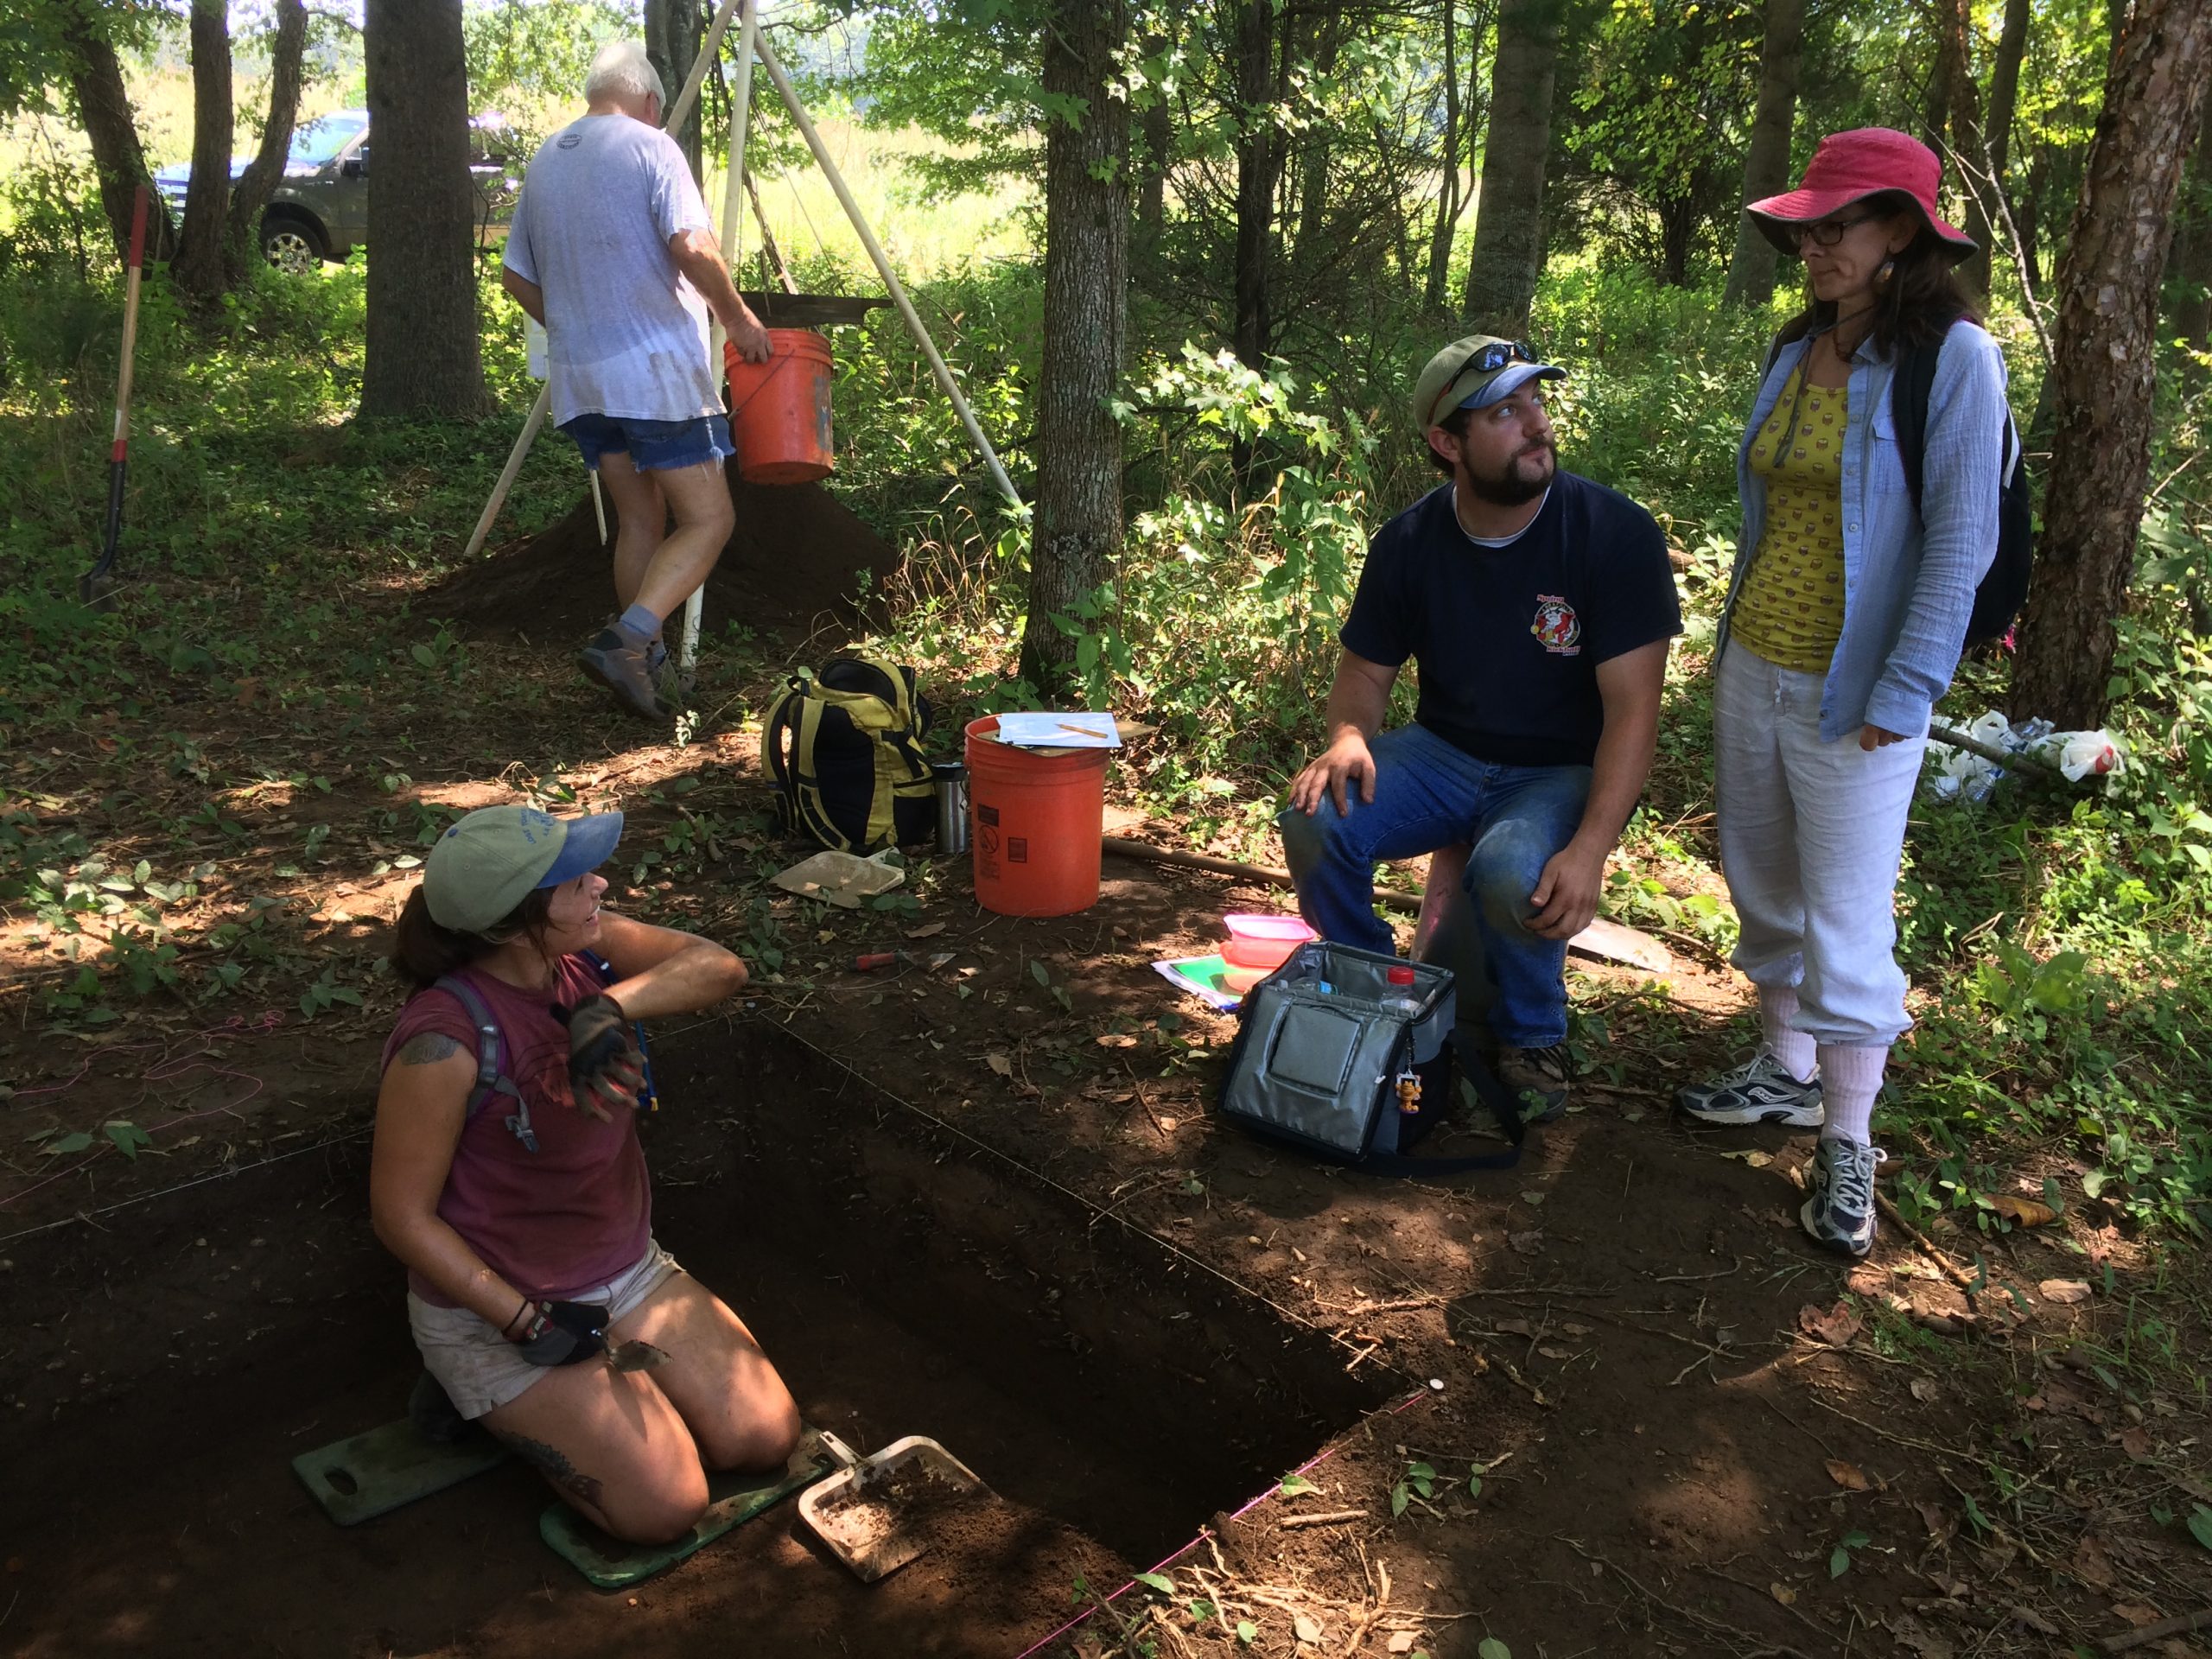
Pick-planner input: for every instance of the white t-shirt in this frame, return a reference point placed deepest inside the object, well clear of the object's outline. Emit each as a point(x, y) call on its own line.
point(626, 334)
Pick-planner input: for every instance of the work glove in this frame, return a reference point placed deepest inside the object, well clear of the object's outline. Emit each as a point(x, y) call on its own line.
point(563, 1333)
point(604, 1067)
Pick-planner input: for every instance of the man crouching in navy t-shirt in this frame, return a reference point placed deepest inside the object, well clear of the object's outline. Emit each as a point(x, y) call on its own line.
point(1538, 606)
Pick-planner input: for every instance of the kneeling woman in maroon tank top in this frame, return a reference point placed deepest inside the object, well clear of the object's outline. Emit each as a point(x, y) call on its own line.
point(518, 1202)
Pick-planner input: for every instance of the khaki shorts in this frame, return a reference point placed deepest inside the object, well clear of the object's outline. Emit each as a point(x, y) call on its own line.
point(481, 1370)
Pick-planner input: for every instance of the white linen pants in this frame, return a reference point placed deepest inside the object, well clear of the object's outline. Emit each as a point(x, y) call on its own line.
point(1811, 834)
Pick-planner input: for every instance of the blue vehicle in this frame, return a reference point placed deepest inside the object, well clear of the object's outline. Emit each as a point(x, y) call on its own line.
point(321, 207)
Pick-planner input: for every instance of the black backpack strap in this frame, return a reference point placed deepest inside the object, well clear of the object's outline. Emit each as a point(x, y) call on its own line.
point(1909, 388)
point(775, 739)
point(491, 1057)
point(1504, 1105)
point(650, 1098)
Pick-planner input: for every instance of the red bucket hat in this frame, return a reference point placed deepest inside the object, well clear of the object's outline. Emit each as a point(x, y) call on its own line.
point(1850, 167)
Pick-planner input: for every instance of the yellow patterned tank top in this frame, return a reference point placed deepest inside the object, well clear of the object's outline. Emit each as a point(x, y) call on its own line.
point(1790, 608)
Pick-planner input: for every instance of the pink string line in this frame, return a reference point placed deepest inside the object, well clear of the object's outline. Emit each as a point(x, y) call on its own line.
point(1412, 1399)
point(162, 1071)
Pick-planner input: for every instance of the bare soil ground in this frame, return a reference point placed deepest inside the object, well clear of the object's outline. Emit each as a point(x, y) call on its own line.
point(1607, 1402)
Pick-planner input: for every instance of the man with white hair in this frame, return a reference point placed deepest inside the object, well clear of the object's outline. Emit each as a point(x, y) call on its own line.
point(613, 251)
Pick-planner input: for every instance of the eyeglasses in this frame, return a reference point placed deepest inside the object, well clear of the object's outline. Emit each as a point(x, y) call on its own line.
point(1829, 231)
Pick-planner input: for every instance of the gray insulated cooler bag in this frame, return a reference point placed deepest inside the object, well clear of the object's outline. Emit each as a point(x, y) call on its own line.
point(1331, 1058)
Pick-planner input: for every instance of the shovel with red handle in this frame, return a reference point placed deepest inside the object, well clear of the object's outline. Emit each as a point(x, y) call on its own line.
point(92, 585)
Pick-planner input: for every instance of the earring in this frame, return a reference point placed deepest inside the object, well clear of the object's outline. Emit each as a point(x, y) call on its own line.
point(1888, 271)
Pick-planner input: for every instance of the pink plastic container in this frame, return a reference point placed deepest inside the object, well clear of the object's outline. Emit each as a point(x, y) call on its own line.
point(1256, 941)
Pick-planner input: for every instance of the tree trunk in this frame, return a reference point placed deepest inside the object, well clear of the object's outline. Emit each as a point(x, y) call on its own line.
point(1320, 137)
point(422, 338)
point(1259, 163)
point(255, 186)
point(1968, 162)
point(2193, 247)
point(198, 270)
point(119, 162)
point(674, 30)
point(1766, 163)
point(1158, 128)
point(1079, 526)
point(2107, 298)
point(1447, 197)
point(2004, 104)
point(1508, 253)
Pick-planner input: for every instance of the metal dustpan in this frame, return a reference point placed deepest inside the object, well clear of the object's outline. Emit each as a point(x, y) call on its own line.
point(875, 1515)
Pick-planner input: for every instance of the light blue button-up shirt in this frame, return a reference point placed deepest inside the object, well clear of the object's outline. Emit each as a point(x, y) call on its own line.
point(1909, 579)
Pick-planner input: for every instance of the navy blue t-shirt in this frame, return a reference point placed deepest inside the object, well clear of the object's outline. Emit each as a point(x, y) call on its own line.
point(1508, 639)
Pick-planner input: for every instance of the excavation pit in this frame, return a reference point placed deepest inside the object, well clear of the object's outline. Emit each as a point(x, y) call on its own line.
point(1113, 1392)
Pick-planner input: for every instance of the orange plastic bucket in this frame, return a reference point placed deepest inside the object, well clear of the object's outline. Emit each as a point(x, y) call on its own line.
point(779, 409)
point(1035, 822)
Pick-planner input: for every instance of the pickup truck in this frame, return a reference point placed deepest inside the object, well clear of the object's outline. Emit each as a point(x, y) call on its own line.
point(320, 207)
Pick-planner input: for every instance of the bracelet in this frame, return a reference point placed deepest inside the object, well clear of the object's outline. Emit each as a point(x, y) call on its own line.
point(509, 1326)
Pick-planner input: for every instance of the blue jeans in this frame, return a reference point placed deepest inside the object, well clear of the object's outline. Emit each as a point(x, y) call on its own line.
point(1428, 795)
point(652, 446)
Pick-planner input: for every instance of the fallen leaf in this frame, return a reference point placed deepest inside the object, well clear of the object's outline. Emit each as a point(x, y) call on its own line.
point(1575, 1330)
point(1837, 1327)
point(2136, 1613)
point(2064, 1290)
point(2092, 1565)
point(1402, 1642)
point(2136, 1442)
point(1783, 1593)
point(1550, 1352)
point(1849, 1476)
point(2023, 1212)
point(1516, 1327)
point(1534, 1200)
point(1531, 1243)
point(999, 1063)
point(1115, 1039)
point(1925, 1389)
point(926, 931)
point(1753, 1156)
point(2034, 1620)
point(1306, 1628)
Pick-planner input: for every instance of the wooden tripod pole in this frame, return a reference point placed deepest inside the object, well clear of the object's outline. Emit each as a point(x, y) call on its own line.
point(673, 117)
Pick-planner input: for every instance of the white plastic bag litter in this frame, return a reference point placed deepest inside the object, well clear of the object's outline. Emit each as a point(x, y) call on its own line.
point(1958, 774)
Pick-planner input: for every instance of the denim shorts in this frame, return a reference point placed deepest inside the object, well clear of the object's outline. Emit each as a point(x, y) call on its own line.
point(481, 1370)
point(652, 446)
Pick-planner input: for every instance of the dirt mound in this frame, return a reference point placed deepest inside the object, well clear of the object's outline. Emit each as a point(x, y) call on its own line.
point(792, 565)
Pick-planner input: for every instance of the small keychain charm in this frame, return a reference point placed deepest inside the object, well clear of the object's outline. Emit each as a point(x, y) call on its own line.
point(1409, 1092)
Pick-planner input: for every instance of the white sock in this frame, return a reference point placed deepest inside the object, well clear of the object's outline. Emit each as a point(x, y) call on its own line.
point(1850, 1079)
point(1778, 1006)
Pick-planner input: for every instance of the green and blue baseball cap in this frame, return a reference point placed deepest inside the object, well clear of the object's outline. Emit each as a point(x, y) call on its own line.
point(485, 866)
point(1474, 373)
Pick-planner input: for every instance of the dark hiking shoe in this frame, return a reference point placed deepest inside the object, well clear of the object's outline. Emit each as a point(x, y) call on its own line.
point(1538, 1076)
point(435, 1416)
point(622, 668)
point(1761, 1090)
point(1840, 1213)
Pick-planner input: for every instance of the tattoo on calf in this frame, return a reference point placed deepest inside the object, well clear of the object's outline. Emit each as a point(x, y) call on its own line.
point(428, 1049)
point(557, 1468)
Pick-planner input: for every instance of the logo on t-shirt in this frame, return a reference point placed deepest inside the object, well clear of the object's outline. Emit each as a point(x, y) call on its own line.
point(1557, 627)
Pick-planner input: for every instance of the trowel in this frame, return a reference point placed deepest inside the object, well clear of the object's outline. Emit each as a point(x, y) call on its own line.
point(866, 1524)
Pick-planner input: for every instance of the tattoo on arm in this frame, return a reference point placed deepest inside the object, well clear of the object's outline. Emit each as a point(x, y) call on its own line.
point(428, 1049)
point(554, 1465)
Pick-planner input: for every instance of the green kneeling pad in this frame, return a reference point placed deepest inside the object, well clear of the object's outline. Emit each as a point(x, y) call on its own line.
point(374, 1473)
point(731, 1499)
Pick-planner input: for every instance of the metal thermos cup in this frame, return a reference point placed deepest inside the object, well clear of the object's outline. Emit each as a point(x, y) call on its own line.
point(951, 778)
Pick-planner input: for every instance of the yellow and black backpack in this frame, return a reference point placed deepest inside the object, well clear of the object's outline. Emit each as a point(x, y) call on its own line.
point(843, 747)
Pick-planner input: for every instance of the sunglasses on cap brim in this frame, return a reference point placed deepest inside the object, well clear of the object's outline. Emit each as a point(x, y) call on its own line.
point(1488, 359)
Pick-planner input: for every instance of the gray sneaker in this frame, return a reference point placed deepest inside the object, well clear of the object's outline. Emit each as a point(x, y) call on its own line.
point(1761, 1090)
point(1841, 1212)
point(1538, 1076)
point(622, 668)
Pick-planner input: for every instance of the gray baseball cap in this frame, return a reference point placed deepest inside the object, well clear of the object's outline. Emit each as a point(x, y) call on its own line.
point(483, 867)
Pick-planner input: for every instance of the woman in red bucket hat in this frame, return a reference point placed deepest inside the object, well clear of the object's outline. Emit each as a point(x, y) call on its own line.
point(1844, 623)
